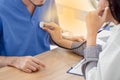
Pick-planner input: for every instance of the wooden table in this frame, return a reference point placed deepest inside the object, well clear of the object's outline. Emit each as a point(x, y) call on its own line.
point(57, 61)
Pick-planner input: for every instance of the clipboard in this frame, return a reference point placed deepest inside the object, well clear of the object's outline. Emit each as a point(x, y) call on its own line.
point(76, 70)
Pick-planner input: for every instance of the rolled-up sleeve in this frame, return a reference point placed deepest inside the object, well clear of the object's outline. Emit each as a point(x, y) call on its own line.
point(91, 55)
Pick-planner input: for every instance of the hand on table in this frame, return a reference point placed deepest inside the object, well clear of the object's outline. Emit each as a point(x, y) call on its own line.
point(27, 64)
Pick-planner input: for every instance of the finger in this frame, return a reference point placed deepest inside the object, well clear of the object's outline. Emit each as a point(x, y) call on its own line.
point(31, 67)
point(38, 62)
point(27, 70)
point(105, 14)
point(100, 11)
point(49, 25)
point(80, 40)
point(35, 65)
point(48, 30)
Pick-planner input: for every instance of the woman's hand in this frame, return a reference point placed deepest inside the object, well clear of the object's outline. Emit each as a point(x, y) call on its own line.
point(93, 23)
point(101, 6)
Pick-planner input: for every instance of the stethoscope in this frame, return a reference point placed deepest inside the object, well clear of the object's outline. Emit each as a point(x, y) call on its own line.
point(84, 42)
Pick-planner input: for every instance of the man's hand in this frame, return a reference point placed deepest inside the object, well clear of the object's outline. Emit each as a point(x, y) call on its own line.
point(54, 30)
point(27, 64)
point(56, 33)
point(75, 38)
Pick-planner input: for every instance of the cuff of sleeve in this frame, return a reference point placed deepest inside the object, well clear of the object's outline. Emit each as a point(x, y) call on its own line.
point(85, 64)
point(92, 51)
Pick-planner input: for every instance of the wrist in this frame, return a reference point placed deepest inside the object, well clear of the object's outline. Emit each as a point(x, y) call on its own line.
point(6, 61)
point(59, 41)
point(11, 61)
point(3, 61)
point(91, 40)
point(64, 43)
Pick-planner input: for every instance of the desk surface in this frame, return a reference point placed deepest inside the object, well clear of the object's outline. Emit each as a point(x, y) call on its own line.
point(57, 61)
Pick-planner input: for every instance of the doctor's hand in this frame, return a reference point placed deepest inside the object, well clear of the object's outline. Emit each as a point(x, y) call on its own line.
point(27, 64)
point(101, 8)
point(93, 23)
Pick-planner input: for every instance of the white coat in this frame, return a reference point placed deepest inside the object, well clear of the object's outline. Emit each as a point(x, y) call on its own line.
point(108, 67)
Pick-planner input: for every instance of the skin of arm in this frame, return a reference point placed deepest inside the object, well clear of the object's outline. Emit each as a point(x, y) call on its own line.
point(56, 34)
point(93, 27)
point(55, 31)
point(75, 38)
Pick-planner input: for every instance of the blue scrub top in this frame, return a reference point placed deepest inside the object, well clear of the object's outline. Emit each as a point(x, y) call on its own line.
point(20, 34)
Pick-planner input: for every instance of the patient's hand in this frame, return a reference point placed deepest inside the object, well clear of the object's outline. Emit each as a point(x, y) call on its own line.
point(56, 33)
point(54, 30)
point(75, 38)
point(27, 64)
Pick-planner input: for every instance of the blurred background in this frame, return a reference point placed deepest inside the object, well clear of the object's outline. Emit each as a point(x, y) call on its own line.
point(72, 14)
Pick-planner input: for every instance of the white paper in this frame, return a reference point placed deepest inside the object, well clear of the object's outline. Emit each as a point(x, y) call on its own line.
point(76, 69)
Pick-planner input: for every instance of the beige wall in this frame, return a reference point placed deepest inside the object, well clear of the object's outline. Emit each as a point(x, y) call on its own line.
point(72, 15)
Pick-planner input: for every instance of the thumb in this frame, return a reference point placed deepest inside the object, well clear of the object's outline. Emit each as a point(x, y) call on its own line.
point(48, 30)
point(49, 25)
point(104, 17)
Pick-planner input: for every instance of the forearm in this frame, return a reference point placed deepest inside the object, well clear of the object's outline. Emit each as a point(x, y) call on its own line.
point(65, 43)
point(91, 38)
point(91, 48)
